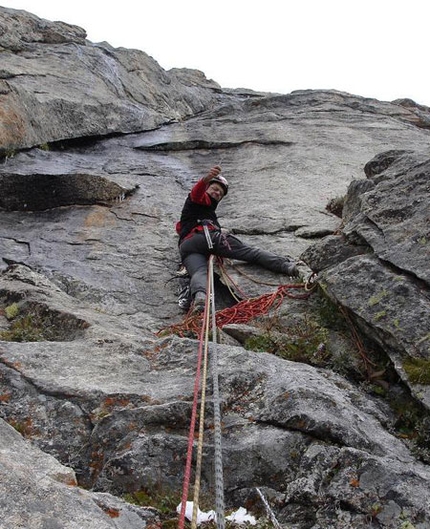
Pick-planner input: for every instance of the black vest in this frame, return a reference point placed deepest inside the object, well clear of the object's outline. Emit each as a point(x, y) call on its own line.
point(193, 213)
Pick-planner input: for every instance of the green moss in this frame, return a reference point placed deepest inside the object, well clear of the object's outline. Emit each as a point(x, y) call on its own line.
point(33, 322)
point(418, 370)
point(302, 342)
point(377, 298)
point(7, 153)
point(164, 501)
point(407, 525)
point(261, 343)
point(412, 423)
point(11, 311)
point(329, 315)
point(24, 329)
point(381, 314)
point(30, 324)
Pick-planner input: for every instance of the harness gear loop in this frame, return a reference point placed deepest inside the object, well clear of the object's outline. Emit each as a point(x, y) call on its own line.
point(205, 223)
point(208, 236)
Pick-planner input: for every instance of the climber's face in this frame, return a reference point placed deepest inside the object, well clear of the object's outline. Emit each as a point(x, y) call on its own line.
point(215, 191)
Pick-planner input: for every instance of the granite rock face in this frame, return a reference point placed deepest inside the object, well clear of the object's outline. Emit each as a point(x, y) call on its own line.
point(384, 282)
point(56, 85)
point(100, 147)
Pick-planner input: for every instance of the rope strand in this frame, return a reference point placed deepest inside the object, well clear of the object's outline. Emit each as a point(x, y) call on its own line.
point(219, 473)
point(187, 473)
point(198, 471)
point(203, 355)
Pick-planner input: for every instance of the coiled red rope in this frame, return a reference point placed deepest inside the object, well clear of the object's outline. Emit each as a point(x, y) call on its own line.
point(241, 312)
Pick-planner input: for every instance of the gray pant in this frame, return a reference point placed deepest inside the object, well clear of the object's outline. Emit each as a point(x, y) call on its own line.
point(195, 253)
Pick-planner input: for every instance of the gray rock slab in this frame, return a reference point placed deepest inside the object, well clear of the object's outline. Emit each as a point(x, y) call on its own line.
point(37, 491)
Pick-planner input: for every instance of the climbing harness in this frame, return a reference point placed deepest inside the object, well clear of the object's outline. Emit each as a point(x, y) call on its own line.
point(203, 357)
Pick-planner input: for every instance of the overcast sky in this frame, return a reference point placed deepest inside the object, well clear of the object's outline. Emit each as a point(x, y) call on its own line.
point(371, 48)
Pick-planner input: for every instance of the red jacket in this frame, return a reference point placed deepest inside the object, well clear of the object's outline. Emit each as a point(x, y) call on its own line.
point(198, 206)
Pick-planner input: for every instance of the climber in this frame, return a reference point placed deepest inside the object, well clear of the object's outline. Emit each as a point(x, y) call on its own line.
point(200, 235)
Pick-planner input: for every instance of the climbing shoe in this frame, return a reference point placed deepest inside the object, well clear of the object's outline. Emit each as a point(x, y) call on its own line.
point(199, 303)
point(184, 297)
point(184, 289)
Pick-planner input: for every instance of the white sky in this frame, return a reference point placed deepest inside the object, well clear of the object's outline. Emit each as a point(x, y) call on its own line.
point(371, 48)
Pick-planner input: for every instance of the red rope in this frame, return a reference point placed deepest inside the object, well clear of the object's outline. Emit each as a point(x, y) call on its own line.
point(242, 312)
point(187, 472)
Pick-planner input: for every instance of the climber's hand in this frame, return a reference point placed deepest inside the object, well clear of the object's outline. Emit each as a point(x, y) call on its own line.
point(215, 171)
